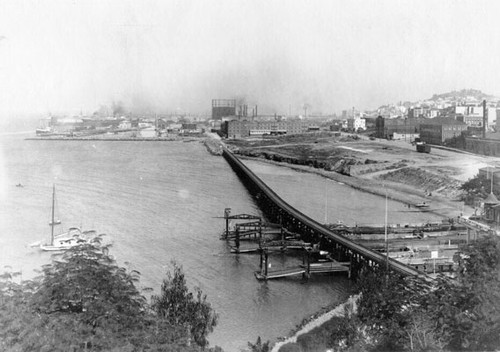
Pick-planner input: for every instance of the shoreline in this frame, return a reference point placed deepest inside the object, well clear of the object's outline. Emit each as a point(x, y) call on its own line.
point(317, 321)
point(118, 139)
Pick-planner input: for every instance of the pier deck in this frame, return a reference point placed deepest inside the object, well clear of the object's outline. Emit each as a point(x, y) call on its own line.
point(276, 274)
point(277, 245)
point(305, 270)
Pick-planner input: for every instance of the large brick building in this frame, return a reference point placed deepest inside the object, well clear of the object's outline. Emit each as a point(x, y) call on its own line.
point(387, 128)
point(245, 128)
point(440, 129)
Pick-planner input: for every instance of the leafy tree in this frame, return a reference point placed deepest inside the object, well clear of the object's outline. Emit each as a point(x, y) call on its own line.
point(385, 305)
point(421, 332)
point(182, 308)
point(83, 301)
point(479, 186)
point(259, 346)
point(88, 282)
point(469, 310)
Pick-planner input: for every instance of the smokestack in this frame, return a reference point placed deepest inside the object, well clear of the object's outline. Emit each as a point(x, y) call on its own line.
point(256, 113)
point(485, 118)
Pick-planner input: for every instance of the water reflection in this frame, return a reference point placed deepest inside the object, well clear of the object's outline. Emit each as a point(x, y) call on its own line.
point(262, 295)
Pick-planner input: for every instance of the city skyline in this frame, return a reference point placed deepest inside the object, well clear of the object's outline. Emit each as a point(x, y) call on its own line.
point(62, 56)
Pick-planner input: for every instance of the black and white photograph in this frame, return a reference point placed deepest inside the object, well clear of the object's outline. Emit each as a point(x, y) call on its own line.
point(249, 175)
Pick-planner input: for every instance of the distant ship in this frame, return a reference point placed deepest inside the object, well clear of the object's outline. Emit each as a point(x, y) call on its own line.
point(44, 131)
point(45, 128)
point(110, 122)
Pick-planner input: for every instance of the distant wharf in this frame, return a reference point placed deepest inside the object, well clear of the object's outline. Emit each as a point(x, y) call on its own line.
point(107, 139)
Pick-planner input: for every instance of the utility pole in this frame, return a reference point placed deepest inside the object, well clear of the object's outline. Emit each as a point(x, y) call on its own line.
point(405, 130)
point(485, 118)
point(386, 242)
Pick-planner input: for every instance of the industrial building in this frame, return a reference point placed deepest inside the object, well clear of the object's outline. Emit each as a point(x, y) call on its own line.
point(440, 129)
point(246, 128)
point(398, 127)
point(223, 108)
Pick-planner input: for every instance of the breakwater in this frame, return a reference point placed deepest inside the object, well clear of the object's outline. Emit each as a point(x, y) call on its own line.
point(214, 146)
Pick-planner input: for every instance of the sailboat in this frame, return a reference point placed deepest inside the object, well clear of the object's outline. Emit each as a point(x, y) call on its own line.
point(73, 237)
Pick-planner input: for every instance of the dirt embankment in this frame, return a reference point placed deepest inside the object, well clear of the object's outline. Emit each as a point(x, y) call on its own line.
point(429, 182)
point(329, 154)
point(336, 163)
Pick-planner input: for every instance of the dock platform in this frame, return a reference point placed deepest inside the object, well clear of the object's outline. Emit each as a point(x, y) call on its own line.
point(276, 274)
point(305, 270)
point(277, 245)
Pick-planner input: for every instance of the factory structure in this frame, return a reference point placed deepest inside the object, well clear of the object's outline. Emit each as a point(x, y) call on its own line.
point(242, 120)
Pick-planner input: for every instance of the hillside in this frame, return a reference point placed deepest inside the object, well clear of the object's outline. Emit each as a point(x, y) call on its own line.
point(464, 94)
point(456, 96)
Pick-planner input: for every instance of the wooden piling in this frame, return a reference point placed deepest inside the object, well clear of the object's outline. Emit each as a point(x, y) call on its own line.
point(237, 239)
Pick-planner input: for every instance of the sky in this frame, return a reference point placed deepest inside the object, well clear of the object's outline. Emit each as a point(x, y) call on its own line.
point(73, 56)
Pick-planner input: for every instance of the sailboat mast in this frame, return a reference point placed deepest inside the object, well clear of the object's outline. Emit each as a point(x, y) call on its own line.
point(52, 223)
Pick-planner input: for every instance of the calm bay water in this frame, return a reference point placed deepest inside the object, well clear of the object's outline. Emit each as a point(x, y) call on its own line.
point(328, 201)
point(159, 202)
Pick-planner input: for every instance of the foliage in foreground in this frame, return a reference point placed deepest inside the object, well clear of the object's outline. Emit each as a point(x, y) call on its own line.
point(409, 314)
point(181, 308)
point(83, 301)
point(259, 346)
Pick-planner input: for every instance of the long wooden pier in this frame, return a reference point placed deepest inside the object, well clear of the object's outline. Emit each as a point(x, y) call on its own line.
point(278, 211)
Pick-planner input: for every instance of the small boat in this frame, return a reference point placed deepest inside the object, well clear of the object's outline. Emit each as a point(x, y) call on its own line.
point(20, 185)
point(73, 237)
point(45, 131)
